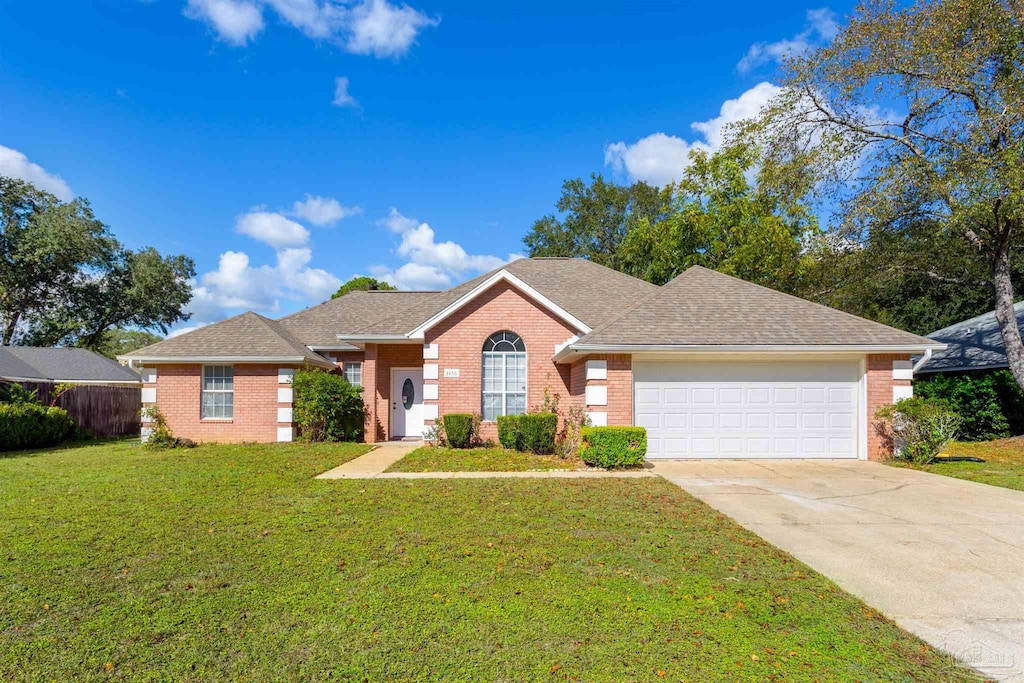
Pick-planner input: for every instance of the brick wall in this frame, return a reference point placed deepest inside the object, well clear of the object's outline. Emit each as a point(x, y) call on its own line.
point(618, 411)
point(880, 390)
point(460, 340)
point(178, 390)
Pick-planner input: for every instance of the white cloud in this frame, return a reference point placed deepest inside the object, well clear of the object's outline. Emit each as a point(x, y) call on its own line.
point(396, 222)
point(185, 330)
point(820, 28)
point(430, 264)
point(272, 228)
point(342, 98)
point(661, 158)
point(14, 164)
point(384, 30)
point(238, 285)
point(369, 27)
point(323, 211)
point(235, 21)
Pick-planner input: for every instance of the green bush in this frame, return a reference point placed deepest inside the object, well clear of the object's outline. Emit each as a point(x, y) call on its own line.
point(327, 407)
point(160, 436)
point(461, 430)
point(537, 432)
point(917, 429)
point(614, 446)
point(30, 425)
point(989, 401)
point(510, 434)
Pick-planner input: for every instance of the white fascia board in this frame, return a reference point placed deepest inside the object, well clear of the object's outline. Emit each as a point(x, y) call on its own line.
point(333, 347)
point(375, 338)
point(501, 275)
point(223, 360)
point(743, 348)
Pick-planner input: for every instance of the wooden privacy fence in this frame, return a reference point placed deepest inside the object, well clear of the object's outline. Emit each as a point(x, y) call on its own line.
point(100, 410)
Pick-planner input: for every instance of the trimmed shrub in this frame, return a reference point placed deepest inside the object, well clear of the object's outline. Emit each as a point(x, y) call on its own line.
point(461, 430)
point(537, 432)
point(989, 401)
point(327, 407)
point(30, 425)
point(510, 434)
point(917, 429)
point(614, 446)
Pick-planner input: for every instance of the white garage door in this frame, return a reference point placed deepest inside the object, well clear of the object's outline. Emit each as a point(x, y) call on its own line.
point(747, 410)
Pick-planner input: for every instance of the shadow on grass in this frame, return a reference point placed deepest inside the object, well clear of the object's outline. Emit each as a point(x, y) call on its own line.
point(68, 445)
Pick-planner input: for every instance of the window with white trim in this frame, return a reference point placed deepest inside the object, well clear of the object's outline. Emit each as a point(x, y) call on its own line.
point(218, 397)
point(353, 373)
point(504, 375)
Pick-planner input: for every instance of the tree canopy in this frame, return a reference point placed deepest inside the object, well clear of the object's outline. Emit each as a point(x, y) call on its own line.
point(66, 280)
point(914, 117)
point(361, 283)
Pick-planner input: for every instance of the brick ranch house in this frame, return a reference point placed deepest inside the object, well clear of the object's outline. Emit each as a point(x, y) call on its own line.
point(711, 366)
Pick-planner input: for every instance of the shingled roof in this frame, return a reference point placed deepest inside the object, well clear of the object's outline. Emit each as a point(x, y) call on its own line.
point(249, 336)
point(698, 308)
point(588, 291)
point(974, 344)
point(702, 307)
point(43, 364)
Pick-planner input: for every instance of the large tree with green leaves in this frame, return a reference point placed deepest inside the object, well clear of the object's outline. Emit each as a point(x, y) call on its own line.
point(361, 283)
point(596, 218)
point(915, 115)
point(719, 219)
point(65, 279)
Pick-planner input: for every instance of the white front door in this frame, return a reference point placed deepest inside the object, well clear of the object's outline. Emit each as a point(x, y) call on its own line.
point(748, 410)
point(406, 403)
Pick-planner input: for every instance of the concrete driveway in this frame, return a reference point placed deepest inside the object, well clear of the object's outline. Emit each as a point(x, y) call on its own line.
point(942, 557)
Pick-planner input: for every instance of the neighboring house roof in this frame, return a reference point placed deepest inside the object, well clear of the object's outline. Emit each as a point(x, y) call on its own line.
point(975, 344)
point(33, 363)
point(705, 308)
point(246, 337)
point(698, 308)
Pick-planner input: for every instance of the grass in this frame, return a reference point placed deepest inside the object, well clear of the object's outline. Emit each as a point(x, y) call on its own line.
point(439, 459)
point(231, 562)
point(1003, 466)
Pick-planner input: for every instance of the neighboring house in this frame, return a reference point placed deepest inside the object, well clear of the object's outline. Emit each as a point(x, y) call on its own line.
point(975, 344)
point(34, 364)
point(710, 365)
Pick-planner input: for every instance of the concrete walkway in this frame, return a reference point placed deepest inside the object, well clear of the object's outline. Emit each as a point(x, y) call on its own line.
point(368, 466)
point(942, 557)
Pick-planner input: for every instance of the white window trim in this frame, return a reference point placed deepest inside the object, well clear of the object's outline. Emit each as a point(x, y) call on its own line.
point(359, 366)
point(203, 391)
point(504, 389)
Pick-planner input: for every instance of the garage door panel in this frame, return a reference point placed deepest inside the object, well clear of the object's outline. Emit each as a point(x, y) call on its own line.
point(753, 410)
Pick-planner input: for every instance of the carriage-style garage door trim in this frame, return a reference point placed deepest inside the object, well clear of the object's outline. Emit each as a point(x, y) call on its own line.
point(738, 409)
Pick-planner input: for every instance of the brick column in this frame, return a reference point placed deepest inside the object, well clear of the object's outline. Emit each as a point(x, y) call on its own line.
point(148, 400)
point(608, 389)
point(285, 402)
point(431, 385)
point(888, 380)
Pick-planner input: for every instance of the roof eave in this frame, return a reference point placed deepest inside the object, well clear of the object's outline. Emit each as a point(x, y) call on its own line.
point(300, 360)
point(744, 348)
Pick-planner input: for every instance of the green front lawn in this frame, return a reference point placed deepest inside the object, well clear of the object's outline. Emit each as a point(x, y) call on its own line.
point(439, 459)
point(232, 562)
point(1003, 466)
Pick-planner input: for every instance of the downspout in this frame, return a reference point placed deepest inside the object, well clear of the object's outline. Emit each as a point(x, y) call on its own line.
point(920, 364)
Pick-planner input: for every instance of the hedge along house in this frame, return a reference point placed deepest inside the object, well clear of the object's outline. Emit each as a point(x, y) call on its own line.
point(711, 366)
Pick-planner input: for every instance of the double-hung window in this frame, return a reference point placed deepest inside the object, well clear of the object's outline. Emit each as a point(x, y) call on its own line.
point(218, 400)
point(504, 375)
point(354, 373)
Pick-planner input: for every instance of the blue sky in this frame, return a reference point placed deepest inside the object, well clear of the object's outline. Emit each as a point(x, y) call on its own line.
point(286, 145)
